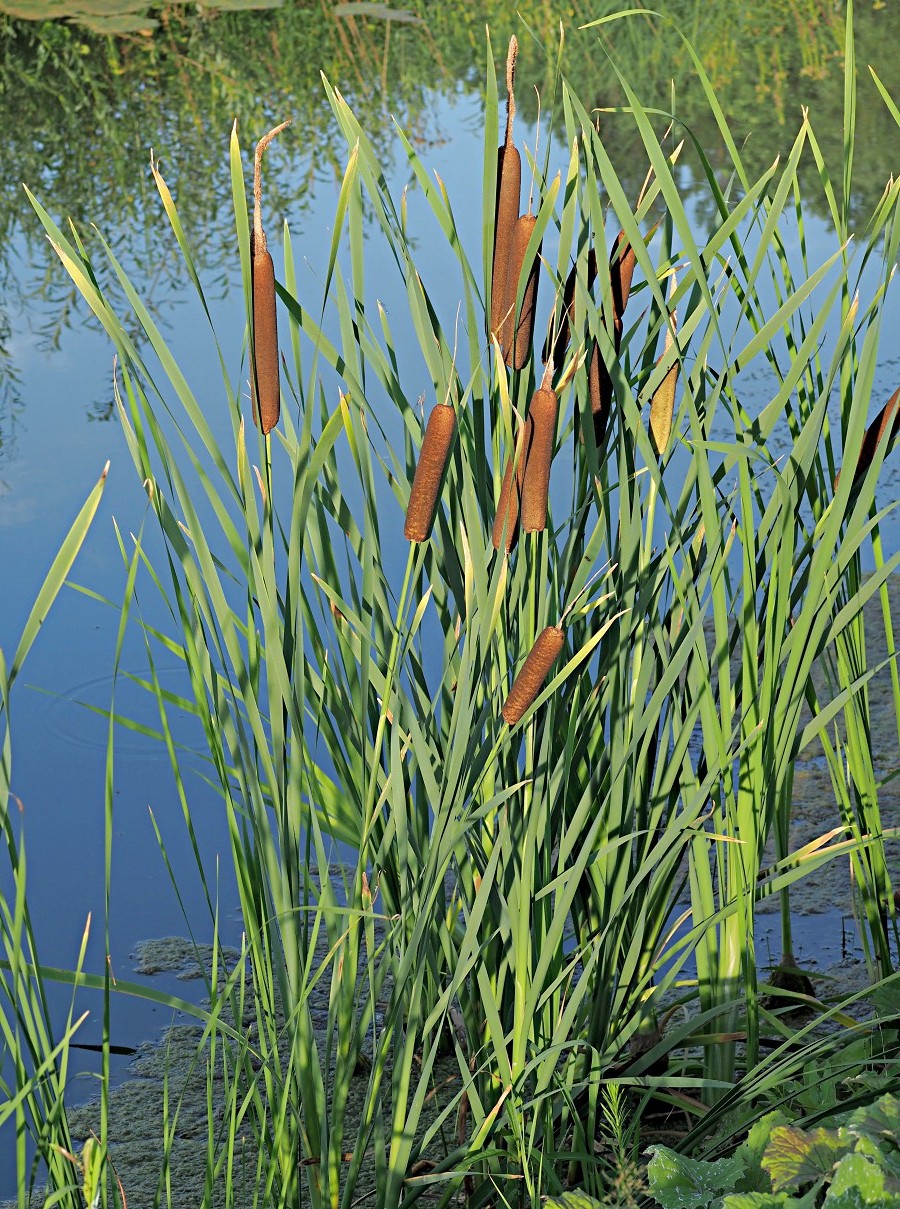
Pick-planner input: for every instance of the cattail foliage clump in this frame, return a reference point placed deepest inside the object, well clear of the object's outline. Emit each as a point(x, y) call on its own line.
point(533, 673)
point(265, 387)
point(536, 479)
point(506, 214)
point(429, 473)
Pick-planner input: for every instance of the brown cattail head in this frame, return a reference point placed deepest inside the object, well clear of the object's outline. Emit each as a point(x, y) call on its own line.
point(536, 482)
point(621, 273)
point(506, 213)
point(506, 209)
point(555, 348)
point(887, 420)
point(265, 388)
point(510, 492)
point(600, 387)
point(427, 481)
point(533, 673)
point(517, 347)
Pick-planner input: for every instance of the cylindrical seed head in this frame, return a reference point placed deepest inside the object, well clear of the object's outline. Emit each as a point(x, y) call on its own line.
point(427, 480)
point(533, 673)
point(536, 482)
point(621, 272)
point(506, 213)
point(510, 492)
point(600, 387)
point(517, 348)
point(265, 388)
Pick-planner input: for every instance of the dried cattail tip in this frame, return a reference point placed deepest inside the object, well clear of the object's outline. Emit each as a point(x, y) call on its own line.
point(533, 673)
point(662, 408)
point(265, 388)
point(517, 348)
point(507, 518)
point(536, 482)
point(427, 481)
point(887, 420)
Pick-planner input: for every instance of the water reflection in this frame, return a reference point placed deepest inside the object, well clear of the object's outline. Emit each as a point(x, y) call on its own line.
point(81, 107)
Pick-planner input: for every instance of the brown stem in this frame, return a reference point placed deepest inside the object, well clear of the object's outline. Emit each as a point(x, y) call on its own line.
point(259, 237)
point(511, 57)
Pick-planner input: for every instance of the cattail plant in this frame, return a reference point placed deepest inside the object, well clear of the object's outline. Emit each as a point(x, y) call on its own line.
point(533, 673)
point(507, 518)
point(506, 212)
point(621, 272)
point(600, 387)
point(517, 344)
point(887, 421)
point(536, 479)
point(429, 472)
point(265, 387)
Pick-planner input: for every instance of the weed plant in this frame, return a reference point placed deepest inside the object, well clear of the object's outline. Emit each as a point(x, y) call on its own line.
point(529, 932)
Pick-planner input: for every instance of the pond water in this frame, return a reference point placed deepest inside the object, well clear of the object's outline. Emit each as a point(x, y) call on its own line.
point(83, 110)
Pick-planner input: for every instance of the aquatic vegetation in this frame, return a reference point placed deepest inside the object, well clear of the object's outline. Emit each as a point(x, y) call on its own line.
point(557, 728)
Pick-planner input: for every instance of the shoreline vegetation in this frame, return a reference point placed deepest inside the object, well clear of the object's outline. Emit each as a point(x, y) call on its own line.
point(548, 664)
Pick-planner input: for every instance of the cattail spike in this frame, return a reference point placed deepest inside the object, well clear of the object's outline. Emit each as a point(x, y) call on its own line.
point(600, 387)
point(507, 518)
point(506, 207)
point(506, 213)
point(536, 481)
point(426, 485)
point(621, 273)
point(533, 673)
point(265, 386)
point(516, 344)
